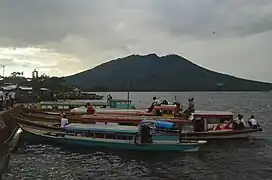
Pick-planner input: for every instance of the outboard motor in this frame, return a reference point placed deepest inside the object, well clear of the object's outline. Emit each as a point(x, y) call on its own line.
point(145, 133)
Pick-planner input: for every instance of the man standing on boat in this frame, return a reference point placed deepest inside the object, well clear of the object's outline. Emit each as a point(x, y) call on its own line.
point(191, 107)
point(1, 101)
point(109, 97)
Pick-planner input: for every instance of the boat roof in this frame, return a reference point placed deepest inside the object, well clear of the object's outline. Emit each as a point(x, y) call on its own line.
point(217, 113)
point(83, 102)
point(101, 128)
point(77, 103)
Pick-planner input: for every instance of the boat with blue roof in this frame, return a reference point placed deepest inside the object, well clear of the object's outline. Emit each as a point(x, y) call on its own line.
point(109, 139)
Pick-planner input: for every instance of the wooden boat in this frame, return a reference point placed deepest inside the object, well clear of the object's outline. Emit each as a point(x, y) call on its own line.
point(166, 134)
point(67, 106)
point(106, 118)
point(125, 142)
point(9, 138)
point(163, 134)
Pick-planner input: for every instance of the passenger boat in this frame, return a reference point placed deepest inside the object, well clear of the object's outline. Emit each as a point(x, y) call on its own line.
point(96, 118)
point(118, 141)
point(167, 131)
point(79, 105)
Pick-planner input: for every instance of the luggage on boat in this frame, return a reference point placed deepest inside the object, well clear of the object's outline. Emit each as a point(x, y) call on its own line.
point(164, 125)
point(160, 124)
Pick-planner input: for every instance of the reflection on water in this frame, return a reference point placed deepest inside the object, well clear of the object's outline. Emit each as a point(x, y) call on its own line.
point(230, 159)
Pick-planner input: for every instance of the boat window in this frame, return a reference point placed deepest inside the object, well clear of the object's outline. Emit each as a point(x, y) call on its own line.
point(213, 121)
point(222, 120)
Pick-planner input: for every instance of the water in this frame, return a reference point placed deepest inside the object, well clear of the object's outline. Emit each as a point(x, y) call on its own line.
point(219, 160)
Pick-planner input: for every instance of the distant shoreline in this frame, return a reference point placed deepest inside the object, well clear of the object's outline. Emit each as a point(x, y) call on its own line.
point(183, 91)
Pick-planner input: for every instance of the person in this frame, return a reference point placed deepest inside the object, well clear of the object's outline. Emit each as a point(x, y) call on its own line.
point(90, 109)
point(145, 133)
point(55, 97)
point(109, 97)
point(7, 98)
point(1, 101)
point(191, 107)
point(156, 102)
point(253, 123)
point(12, 98)
point(239, 123)
point(199, 125)
point(178, 109)
point(164, 102)
point(64, 121)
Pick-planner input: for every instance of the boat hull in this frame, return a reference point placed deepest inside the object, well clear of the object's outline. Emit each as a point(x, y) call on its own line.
point(210, 135)
point(158, 135)
point(115, 144)
point(165, 134)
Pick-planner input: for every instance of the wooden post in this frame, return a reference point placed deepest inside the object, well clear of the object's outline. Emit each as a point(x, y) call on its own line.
point(180, 138)
point(128, 94)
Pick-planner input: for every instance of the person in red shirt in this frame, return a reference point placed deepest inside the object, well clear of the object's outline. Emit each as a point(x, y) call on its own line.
point(90, 109)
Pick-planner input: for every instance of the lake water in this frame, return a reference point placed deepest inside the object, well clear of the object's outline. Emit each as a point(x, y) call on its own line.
point(219, 160)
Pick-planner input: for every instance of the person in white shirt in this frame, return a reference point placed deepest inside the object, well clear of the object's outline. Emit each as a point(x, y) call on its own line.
point(156, 101)
point(253, 123)
point(64, 121)
point(242, 121)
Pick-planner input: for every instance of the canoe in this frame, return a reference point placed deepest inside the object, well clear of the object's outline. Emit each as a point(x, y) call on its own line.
point(124, 144)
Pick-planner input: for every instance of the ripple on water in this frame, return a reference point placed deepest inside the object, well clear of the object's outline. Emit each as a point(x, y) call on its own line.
point(218, 160)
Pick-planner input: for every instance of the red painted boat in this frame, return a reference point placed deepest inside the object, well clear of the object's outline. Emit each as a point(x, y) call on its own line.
point(130, 112)
point(129, 119)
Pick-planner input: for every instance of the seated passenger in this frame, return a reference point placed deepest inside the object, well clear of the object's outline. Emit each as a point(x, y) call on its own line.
point(253, 123)
point(178, 109)
point(199, 125)
point(164, 102)
point(90, 109)
point(239, 123)
point(156, 102)
point(63, 121)
point(217, 127)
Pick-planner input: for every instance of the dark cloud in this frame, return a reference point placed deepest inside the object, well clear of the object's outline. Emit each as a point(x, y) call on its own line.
point(94, 31)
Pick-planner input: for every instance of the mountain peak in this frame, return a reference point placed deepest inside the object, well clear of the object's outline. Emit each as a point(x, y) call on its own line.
point(153, 73)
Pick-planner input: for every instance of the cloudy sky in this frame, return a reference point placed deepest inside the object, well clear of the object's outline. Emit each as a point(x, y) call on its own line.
point(62, 37)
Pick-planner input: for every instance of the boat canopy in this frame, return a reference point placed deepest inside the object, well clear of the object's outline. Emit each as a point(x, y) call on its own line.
point(77, 127)
point(213, 114)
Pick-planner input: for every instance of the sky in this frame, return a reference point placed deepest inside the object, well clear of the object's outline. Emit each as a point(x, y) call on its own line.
point(63, 37)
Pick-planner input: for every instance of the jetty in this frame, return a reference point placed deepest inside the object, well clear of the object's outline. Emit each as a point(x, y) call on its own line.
point(9, 136)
